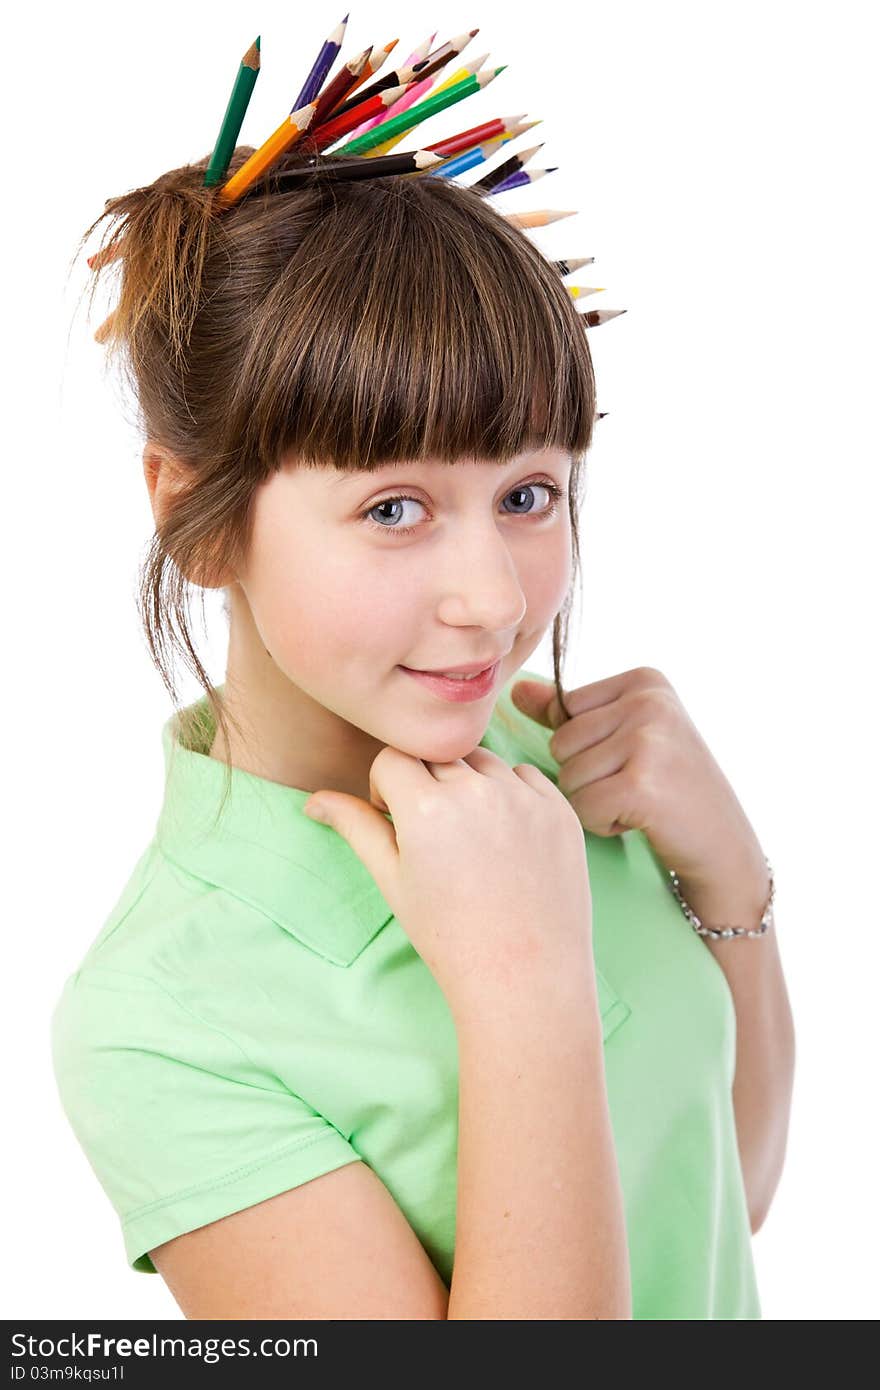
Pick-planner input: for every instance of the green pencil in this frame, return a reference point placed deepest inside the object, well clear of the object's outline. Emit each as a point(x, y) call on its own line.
point(386, 130)
point(245, 80)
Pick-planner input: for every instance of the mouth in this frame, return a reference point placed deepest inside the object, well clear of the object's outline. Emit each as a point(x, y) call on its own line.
point(458, 689)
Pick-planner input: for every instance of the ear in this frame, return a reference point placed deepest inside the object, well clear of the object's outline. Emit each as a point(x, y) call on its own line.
point(166, 478)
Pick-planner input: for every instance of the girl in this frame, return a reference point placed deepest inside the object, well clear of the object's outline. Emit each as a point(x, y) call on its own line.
point(368, 1034)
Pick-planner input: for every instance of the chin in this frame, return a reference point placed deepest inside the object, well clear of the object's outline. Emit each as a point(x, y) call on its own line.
point(446, 750)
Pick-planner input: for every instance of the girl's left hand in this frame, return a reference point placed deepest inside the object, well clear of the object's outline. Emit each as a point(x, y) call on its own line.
point(631, 759)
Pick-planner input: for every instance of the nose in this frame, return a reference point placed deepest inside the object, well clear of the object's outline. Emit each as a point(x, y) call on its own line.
point(480, 585)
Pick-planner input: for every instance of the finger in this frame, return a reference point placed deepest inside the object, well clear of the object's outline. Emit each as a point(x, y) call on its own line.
point(489, 764)
point(535, 778)
point(372, 838)
point(395, 775)
point(480, 760)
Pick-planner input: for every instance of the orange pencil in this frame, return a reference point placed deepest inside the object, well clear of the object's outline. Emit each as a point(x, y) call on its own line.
point(290, 130)
point(539, 218)
point(103, 331)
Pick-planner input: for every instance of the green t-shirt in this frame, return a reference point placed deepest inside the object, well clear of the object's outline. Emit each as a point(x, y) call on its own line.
point(252, 1015)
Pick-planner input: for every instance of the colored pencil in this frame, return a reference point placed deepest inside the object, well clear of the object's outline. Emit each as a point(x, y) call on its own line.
point(291, 129)
point(421, 89)
point(521, 177)
point(460, 163)
point(479, 153)
point(426, 79)
point(402, 77)
point(426, 108)
point(593, 318)
point(337, 126)
point(401, 162)
point(566, 267)
point(466, 139)
point(539, 218)
point(242, 87)
point(415, 63)
point(370, 69)
point(426, 82)
point(105, 257)
point(339, 86)
point(510, 166)
point(320, 68)
point(102, 333)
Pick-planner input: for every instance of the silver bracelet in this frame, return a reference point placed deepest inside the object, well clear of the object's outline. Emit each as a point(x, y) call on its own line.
point(718, 933)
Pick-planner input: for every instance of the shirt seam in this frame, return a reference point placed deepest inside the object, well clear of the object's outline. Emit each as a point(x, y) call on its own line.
point(111, 927)
point(242, 1171)
point(130, 974)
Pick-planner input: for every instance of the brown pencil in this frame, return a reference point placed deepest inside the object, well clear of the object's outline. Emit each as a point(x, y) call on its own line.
point(340, 86)
point(593, 318)
point(510, 166)
point(399, 162)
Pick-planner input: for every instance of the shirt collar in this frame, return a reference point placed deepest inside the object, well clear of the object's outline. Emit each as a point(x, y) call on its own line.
point(266, 852)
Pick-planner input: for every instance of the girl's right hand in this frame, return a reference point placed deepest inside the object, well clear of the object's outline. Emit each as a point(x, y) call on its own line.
point(484, 867)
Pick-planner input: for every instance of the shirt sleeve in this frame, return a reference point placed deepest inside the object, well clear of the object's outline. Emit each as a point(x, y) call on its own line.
point(179, 1126)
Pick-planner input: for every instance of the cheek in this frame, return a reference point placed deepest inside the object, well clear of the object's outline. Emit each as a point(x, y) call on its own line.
point(317, 606)
point(545, 574)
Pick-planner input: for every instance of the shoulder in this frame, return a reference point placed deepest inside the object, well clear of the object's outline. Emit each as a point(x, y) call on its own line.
point(138, 990)
point(165, 926)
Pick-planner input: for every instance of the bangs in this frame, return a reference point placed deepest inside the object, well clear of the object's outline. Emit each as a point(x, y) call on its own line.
point(412, 322)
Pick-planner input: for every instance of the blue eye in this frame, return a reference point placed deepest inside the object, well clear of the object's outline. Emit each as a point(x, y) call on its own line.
point(521, 488)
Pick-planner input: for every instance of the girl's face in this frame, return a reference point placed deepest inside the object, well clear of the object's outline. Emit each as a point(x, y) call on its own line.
point(353, 575)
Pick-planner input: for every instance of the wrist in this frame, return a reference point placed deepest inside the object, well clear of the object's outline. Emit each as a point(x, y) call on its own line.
point(737, 903)
point(544, 1000)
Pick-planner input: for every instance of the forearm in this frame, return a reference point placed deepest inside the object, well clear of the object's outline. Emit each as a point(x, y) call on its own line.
point(540, 1230)
point(765, 1039)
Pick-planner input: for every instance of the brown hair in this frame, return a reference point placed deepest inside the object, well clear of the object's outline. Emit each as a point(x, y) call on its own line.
point(351, 322)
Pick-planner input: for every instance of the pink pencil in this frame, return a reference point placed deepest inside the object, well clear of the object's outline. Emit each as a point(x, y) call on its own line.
point(415, 57)
point(415, 92)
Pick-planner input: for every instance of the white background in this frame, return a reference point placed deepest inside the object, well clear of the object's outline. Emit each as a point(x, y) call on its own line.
point(722, 159)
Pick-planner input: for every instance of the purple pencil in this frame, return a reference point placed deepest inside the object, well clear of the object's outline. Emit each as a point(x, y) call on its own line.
point(321, 66)
point(522, 176)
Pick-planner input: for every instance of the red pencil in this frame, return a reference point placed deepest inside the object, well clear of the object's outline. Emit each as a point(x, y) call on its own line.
point(337, 126)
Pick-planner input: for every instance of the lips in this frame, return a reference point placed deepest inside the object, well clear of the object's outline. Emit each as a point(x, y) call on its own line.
point(457, 690)
point(470, 670)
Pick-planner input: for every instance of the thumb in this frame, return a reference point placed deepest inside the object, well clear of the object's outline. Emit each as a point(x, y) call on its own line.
point(366, 829)
point(538, 701)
